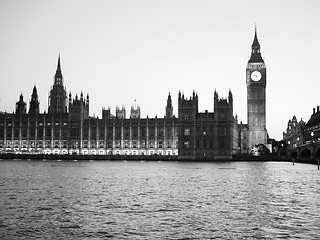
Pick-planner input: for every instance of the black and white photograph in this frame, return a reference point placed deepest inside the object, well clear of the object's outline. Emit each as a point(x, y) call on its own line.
point(159, 119)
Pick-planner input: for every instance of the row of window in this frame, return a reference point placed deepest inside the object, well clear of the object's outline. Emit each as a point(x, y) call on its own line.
point(48, 132)
point(25, 124)
point(256, 65)
point(204, 144)
point(221, 131)
point(93, 144)
point(76, 124)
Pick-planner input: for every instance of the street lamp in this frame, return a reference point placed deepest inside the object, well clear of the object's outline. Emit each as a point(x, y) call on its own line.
point(313, 155)
point(312, 134)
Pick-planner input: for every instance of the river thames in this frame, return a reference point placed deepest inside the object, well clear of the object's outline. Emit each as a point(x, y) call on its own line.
point(158, 200)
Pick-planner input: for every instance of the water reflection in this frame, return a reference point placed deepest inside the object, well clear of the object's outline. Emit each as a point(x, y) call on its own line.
point(147, 200)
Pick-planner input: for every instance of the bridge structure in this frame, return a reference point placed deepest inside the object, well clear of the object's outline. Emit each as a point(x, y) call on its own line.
point(302, 139)
point(308, 152)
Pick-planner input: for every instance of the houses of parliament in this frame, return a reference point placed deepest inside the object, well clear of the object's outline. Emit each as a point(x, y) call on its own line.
point(67, 127)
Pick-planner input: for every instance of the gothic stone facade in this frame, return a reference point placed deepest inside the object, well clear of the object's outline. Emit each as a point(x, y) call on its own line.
point(67, 127)
point(207, 134)
point(76, 132)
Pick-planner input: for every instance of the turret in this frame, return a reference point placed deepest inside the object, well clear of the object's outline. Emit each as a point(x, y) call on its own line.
point(34, 103)
point(20, 105)
point(169, 108)
point(120, 113)
point(223, 103)
point(230, 98)
point(135, 112)
point(78, 107)
point(215, 97)
point(188, 108)
point(87, 99)
point(106, 113)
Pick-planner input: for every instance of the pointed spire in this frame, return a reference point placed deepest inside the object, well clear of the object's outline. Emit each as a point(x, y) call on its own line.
point(34, 103)
point(169, 101)
point(215, 95)
point(87, 101)
point(230, 97)
point(58, 79)
point(255, 52)
point(255, 40)
point(58, 71)
point(169, 108)
point(59, 65)
point(34, 91)
point(34, 96)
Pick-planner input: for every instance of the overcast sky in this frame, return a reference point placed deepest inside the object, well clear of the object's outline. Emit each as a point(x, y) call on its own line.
point(119, 51)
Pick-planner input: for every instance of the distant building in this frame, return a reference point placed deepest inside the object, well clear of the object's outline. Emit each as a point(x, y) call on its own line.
point(294, 135)
point(68, 128)
point(301, 140)
point(312, 127)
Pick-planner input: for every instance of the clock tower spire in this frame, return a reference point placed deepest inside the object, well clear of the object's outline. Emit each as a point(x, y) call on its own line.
point(256, 95)
point(255, 52)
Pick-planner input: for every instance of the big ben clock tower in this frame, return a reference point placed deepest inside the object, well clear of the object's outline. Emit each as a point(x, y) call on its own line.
point(256, 96)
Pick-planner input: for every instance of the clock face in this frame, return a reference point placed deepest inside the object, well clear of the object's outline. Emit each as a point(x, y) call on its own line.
point(256, 76)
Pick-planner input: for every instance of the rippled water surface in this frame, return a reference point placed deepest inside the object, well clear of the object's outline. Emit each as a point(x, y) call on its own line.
point(158, 200)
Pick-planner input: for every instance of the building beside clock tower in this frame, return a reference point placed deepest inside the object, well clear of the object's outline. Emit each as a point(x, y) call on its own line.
point(214, 134)
point(256, 96)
